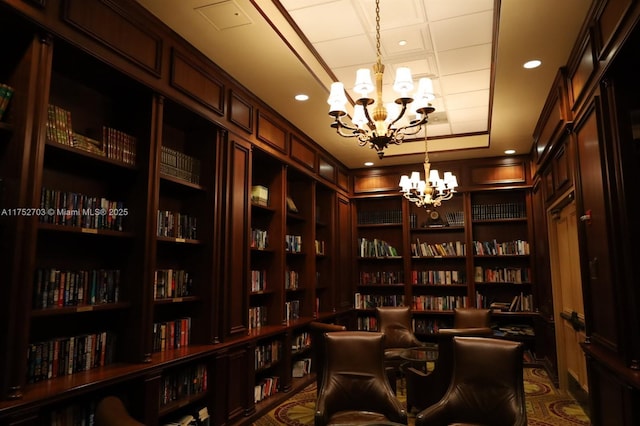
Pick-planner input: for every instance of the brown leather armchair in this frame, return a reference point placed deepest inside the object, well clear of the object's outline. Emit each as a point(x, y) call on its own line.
point(487, 386)
point(317, 330)
point(110, 411)
point(395, 324)
point(426, 388)
point(355, 389)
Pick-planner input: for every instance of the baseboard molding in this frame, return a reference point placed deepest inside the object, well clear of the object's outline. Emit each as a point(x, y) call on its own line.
point(579, 394)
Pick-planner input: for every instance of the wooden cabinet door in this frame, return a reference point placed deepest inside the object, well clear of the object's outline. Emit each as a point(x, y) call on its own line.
point(596, 274)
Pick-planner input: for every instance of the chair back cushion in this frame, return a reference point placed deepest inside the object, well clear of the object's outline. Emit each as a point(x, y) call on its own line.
point(487, 384)
point(395, 324)
point(317, 330)
point(471, 318)
point(355, 379)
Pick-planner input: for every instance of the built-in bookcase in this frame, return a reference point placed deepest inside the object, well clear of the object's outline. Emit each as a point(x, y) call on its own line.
point(182, 273)
point(131, 269)
point(501, 250)
point(379, 257)
point(299, 247)
point(472, 251)
point(267, 243)
point(324, 247)
point(91, 236)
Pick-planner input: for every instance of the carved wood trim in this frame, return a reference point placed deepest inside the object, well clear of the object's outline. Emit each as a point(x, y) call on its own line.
point(196, 82)
point(240, 112)
point(112, 26)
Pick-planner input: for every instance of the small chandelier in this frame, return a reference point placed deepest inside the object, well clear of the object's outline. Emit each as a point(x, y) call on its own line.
point(377, 129)
point(431, 192)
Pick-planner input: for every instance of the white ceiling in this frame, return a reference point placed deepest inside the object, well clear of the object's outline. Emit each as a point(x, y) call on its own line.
point(485, 101)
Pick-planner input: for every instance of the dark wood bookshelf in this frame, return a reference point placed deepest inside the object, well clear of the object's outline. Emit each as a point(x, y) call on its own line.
point(182, 183)
point(66, 310)
point(50, 227)
point(82, 155)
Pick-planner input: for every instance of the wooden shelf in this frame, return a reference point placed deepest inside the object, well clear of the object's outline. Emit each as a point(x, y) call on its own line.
point(66, 310)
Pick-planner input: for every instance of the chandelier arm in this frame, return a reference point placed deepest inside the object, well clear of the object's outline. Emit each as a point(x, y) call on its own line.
point(414, 124)
point(370, 122)
point(340, 124)
point(409, 130)
point(400, 115)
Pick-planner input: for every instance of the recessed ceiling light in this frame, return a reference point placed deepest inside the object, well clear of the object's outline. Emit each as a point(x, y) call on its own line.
point(510, 151)
point(535, 63)
point(368, 163)
point(402, 42)
point(301, 97)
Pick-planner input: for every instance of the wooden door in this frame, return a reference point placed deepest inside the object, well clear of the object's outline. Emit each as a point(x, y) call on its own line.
point(567, 290)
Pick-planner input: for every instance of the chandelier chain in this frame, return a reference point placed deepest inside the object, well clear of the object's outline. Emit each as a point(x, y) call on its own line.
point(378, 30)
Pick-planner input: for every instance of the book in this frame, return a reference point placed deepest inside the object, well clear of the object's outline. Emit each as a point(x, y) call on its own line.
point(291, 206)
point(203, 417)
point(260, 195)
point(6, 92)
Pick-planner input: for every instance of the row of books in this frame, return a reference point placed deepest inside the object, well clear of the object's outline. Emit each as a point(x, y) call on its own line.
point(514, 330)
point(257, 317)
point(376, 248)
point(73, 414)
point(319, 247)
point(177, 164)
point(114, 144)
point(368, 301)
point(67, 355)
point(68, 208)
point(177, 225)
point(258, 280)
point(199, 418)
point(455, 218)
point(59, 129)
point(170, 283)
point(171, 334)
point(430, 302)
point(451, 248)
point(60, 287)
point(502, 275)
point(429, 326)
point(381, 277)
point(293, 243)
point(267, 354)
point(6, 93)
point(292, 310)
point(301, 367)
point(494, 248)
point(439, 277)
point(498, 211)
point(118, 145)
point(183, 383)
point(379, 217)
point(519, 303)
point(259, 239)
point(265, 388)
point(369, 323)
point(300, 341)
point(291, 280)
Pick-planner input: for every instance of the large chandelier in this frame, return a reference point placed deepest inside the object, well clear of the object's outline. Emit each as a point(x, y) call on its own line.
point(431, 191)
point(380, 127)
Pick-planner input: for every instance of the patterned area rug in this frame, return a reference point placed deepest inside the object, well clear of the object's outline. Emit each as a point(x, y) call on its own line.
point(545, 405)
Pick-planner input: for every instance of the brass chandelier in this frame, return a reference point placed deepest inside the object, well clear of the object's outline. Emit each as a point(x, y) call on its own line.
point(431, 191)
point(378, 128)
